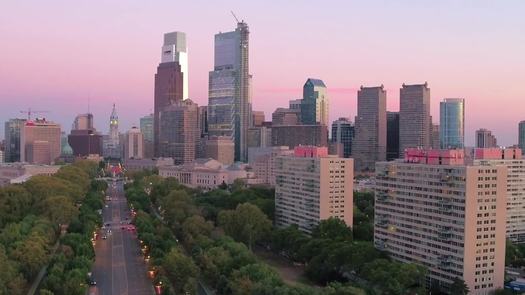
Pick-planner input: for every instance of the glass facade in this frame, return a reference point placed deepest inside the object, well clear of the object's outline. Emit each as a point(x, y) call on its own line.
point(452, 123)
point(314, 106)
point(343, 132)
point(12, 139)
point(521, 136)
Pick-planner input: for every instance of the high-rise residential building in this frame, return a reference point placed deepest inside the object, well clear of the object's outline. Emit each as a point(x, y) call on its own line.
point(295, 135)
point(146, 127)
point(13, 129)
point(257, 118)
point(83, 122)
point(311, 186)
point(262, 161)
point(434, 210)
point(343, 133)
point(521, 135)
point(452, 123)
point(229, 106)
point(170, 80)
point(414, 117)
point(435, 132)
point(286, 116)
point(111, 147)
point(485, 139)
point(40, 142)
point(133, 144)
point(179, 132)
point(220, 148)
point(314, 106)
point(392, 135)
point(512, 159)
point(369, 144)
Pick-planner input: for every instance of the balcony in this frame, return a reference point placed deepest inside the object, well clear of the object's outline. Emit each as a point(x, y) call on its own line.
point(445, 234)
point(381, 244)
point(444, 261)
point(445, 178)
point(382, 222)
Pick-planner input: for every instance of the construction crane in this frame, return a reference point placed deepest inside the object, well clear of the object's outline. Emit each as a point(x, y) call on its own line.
point(235, 16)
point(29, 112)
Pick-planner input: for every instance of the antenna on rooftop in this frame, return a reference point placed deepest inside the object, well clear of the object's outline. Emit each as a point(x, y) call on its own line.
point(235, 16)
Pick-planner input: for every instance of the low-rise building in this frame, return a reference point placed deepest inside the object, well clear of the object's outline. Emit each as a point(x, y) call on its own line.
point(208, 174)
point(146, 164)
point(21, 172)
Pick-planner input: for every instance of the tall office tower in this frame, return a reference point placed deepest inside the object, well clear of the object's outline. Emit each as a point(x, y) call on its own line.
point(485, 139)
point(84, 138)
point(40, 142)
point(83, 122)
point(295, 104)
point(13, 129)
point(433, 209)
point(259, 136)
point(314, 106)
point(452, 122)
point(343, 133)
point(257, 118)
point(521, 135)
point(146, 127)
point(220, 148)
point(392, 135)
point(171, 79)
point(369, 145)
point(175, 50)
point(203, 120)
point(296, 200)
point(111, 147)
point(229, 107)
point(284, 116)
point(512, 159)
point(133, 144)
point(435, 132)
point(414, 117)
point(296, 135)
point(179, 132)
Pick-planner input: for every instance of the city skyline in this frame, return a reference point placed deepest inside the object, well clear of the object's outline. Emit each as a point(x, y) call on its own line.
point(98, 70)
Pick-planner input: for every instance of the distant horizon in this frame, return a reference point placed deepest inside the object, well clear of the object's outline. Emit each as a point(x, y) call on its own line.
point(109, 52)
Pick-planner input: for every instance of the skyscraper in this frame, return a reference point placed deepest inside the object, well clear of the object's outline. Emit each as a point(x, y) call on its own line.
point(83, 122)
point(521, 136)
point(485, 139)
point(170, 79)
point(435, 130)
point(257, 118)
point(84, 138)
point(343, 132)
point(133, 144)
point(146, 127)
point(452, 123)
point(369, 145)
point(179, 132)
point(229, 107)
point(414, 117)
point(111, 142)
point(314, 106)
point(392, 135)
point(13, 129)
point(40, 142)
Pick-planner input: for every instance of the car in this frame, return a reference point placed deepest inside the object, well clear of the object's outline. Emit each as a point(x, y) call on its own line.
point(92, 282)
point(104, 237)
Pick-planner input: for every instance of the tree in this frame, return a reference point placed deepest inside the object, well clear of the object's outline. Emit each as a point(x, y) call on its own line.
point(59, 209)
point(247, 223)
point(181, 270)
point(332, 228)
point(459, 287)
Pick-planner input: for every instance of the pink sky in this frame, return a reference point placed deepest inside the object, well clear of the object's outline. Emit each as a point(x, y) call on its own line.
point(56, 54)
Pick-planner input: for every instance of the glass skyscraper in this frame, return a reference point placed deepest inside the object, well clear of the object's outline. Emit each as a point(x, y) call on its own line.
point(343, 132)
point(521, 136)
point(314, 106)
point(452, 123)
point(229, 105)
point(13, 129)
